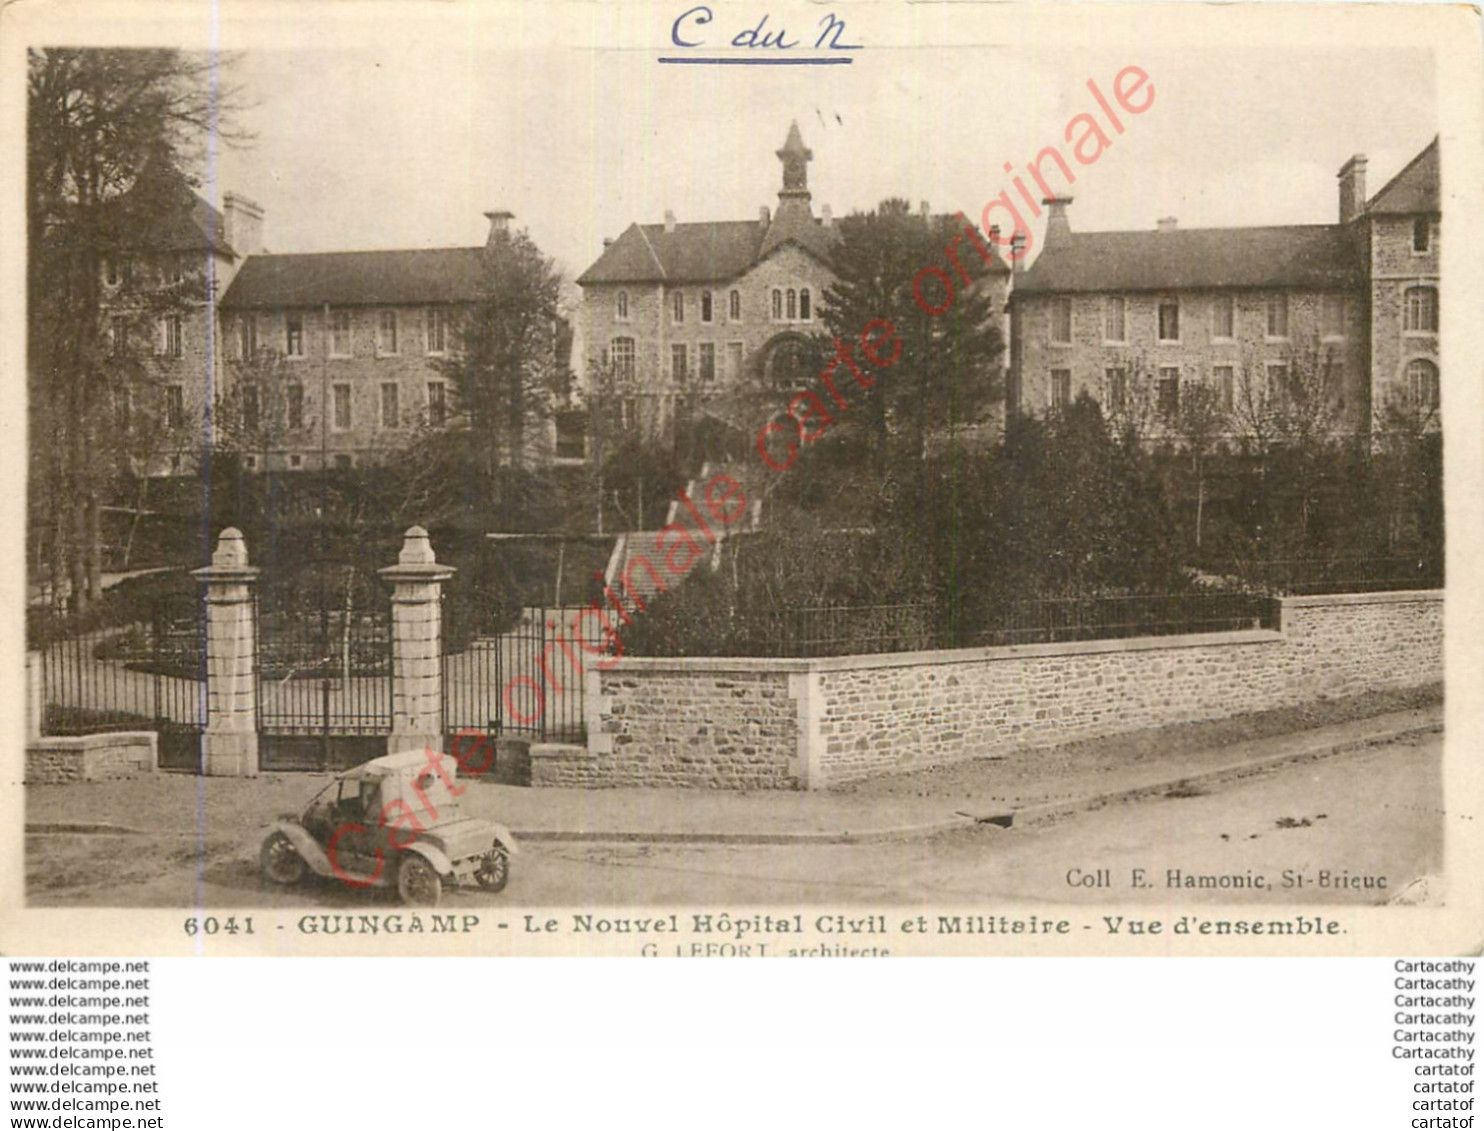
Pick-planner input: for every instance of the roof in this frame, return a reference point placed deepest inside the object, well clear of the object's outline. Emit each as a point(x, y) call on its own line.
point(358, 278)
point(395, 763)
point(1313, 257)
point(176, 218)
point(705, 252)
point(1415, 189)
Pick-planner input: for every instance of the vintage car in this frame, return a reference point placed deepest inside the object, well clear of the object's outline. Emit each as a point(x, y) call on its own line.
point(393, 821)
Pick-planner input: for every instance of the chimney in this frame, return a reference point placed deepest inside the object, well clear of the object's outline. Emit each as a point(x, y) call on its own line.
point(826, 216)
point(669, 220)
point(1352, 188)
point(762, 214)
point(1057, 223)
point(1167, 223)
point(607, 242)
point(499, 225)
point(1017, 252)
point(243, 221)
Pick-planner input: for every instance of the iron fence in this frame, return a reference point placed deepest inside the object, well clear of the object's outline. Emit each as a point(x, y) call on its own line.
point(148, 674)
point(526, 681)
point(1308, 576)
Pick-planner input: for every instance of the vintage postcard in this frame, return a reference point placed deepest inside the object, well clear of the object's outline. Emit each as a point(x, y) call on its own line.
point(737, 479)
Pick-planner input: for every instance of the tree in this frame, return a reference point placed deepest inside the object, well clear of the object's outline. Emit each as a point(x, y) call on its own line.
point(109, 135)
point(506, 368)
point(947, 372)
point(1200, 424)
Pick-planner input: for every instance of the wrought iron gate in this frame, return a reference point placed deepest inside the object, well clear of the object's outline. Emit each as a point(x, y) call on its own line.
point(146, 674)
point(524, 682)
point(324, 664)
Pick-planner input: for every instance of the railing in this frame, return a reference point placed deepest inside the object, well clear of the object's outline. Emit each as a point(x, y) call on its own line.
point(837, 630)
point(525, 682)
point(1304, 576)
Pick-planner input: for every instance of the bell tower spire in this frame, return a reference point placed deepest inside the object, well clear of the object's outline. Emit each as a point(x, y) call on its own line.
point(795, 156)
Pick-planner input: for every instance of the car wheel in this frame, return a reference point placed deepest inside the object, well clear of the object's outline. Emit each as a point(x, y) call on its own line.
point(418, 882)
point(493, 872)
point(281, 860)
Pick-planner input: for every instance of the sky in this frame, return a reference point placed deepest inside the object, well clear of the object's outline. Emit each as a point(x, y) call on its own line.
point(377, 147)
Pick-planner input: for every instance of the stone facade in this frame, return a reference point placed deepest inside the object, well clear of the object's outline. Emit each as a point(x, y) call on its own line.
point(417, 662)
point(1395, 269)
point(788, 724)
point(229, 744)
point(90, 757)
point(1229, 365)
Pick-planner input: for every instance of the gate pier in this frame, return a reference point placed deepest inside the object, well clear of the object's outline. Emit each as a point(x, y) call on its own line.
point(229, 744)
point(417, 622)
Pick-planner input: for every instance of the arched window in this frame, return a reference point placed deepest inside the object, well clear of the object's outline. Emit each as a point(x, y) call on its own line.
point(805, 312)
point(705, 306)
point(1422, 310)
point(734, 306)
point(793, 305)
point(621, 306)
point(1422, 383)
point(777, 305)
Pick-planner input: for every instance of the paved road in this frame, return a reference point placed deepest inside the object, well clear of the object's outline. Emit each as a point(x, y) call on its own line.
point(1356, 820)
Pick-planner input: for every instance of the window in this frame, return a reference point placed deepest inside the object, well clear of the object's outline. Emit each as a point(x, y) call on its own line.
point(1114, 311)
point(123, 407)
point(677, 310)
point(1061, 320)
point(1226, 385)
point(250, 462)
point(1224, 317)
point(1276, 373)
point(1169, 320)
point(1117, 389)
point(342, 463)
point(176, 463)
point(296, 461)
point(339, 333)
point(1061, 388)
point(705, 306)
point(1421, 234)
point(341, 419)
point(391, 416)
point(111, 271)
point(175, 406)
point(734, 360)
point(251, 407)
point(571, 435)
point(734, 306)
point(247, 337)
point(1422, 384)
point(1422, 310)
point(792, 299)
point(293, 327)
point(621, 307)
point(707, 362)
point(777, 305)
point(118, 333)
point(173, 334)
point(1277, 316)
point(294, 397)
point(386, 332)
point(622, 357)
point(1332, 316)
point(1167, 390)
point(437, 404)
point(678, 358)
point(806, 307)
point(173, 272)
point(436, 330)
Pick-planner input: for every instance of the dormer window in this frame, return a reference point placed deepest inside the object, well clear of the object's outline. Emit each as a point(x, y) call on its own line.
point(621, 307)
point(1421, 234)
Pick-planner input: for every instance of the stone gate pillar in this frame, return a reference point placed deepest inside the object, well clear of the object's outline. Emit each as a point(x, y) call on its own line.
point(417, 644)
point(229, 744)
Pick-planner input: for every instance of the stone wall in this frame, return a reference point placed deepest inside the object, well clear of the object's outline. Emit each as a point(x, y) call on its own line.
point(725, 724)
point(90, 757)
point(760, 724)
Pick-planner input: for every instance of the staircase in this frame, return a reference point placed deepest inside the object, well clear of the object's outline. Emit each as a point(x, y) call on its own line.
point(639, 585)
